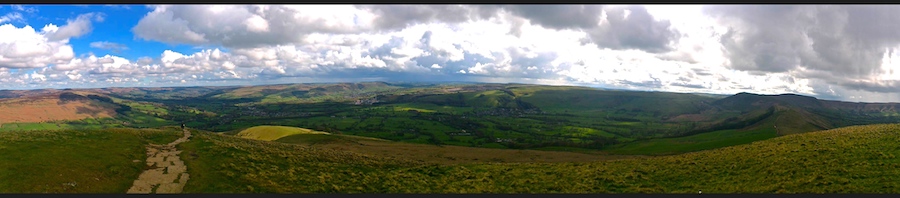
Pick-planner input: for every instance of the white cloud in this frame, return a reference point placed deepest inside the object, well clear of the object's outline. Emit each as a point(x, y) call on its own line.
point(25, 48)
point(248, 25)
point(257, 24)
point(485, 49)
point(77, 27)
point(272, 43)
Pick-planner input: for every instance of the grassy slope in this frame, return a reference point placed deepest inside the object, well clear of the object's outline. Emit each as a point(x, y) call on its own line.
point(225, 164)
point(859, 159)
point(48, 108)
point(589, 100)
point(703, 141)
point(95, 161)
point(269, 133)
point(437, 154)
point(794, 121)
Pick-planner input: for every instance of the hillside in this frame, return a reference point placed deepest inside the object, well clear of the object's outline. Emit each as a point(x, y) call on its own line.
point(804, 113)
point(306, 93)
point(485, 115)
point(54, 107)
point(845, 160)
point(417, 152)
point(517, 116)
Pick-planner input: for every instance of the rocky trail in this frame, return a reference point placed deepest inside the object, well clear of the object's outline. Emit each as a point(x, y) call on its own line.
point(167, 173)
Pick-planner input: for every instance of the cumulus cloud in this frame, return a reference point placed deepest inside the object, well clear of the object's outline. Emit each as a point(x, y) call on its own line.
point(608, 27)
point(559, 16)
point(26, 48)
point(401, 16)
point(842, 52)
point(247, 26)
point(73, 28)
point(841, 44)
point(632, 27)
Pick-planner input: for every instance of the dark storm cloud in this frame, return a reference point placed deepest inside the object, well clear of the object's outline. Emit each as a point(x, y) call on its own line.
point(847, 42)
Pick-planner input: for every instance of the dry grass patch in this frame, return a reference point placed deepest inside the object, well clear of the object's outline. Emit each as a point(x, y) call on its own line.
point(269, 133)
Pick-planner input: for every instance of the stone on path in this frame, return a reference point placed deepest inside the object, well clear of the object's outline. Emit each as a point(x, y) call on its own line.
point(167, 174)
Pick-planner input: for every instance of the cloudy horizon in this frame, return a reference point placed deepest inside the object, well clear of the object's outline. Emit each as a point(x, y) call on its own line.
point(835, 52)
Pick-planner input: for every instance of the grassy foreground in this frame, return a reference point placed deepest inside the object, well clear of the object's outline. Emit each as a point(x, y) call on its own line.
point(75, 161)
point(858, 159)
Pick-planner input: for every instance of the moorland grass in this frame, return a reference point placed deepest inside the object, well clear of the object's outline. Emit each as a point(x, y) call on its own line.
point(445, 154)
point(75, 161)
point(857, 159)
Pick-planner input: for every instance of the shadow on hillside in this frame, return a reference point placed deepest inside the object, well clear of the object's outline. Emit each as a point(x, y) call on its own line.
point(67, 97)
point(90, 111)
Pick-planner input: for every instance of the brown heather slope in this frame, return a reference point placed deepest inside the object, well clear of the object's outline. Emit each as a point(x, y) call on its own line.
point(53, 107)
point(445, 154)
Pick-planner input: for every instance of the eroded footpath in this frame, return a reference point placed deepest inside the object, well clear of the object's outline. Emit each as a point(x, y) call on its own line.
point(167, 173)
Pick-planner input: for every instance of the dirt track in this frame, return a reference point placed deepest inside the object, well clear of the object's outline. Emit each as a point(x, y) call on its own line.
point(167, 173)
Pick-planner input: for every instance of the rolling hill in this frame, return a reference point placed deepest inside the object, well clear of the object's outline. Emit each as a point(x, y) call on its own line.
point(58, 106)
point(450, 138)
point(417, 152)
point(475, 114)
point(803, 113)
point(858, 159)
point(518, 115)
point(306, 93)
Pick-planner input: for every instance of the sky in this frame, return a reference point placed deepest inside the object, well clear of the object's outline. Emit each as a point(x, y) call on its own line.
point(835, 52)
